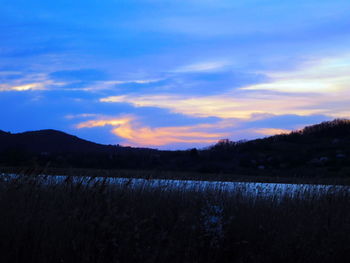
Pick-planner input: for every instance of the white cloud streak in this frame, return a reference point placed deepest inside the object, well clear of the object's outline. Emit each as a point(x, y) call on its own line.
point(318, 87)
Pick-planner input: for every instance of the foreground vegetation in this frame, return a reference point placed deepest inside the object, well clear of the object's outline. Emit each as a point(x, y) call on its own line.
point(171, 175)
point(43, 220)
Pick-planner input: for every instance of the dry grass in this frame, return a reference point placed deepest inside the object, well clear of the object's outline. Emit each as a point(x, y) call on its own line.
point(158, 174)
point(43, 220)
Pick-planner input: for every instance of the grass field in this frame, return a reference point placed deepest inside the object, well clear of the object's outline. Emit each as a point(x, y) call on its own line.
point(47, 221)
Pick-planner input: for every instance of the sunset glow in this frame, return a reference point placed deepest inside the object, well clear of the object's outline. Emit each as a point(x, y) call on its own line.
point(137, 135)
point(173, 74)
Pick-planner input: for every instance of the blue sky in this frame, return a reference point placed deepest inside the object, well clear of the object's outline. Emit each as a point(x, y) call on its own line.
point(173, 74)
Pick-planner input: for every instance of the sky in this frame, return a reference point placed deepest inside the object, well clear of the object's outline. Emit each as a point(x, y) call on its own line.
point(173, 74)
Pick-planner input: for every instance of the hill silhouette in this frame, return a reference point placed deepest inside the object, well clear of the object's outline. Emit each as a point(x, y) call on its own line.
point(321, 149)
point(49, 141)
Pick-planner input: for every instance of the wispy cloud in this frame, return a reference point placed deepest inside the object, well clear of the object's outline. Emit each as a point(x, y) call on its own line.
point(139, 135)
point(135, 133)
point(146, 136)
point(317, 87)
point(73, 80)
point(173, 65)
point(325, 75)
point(27, 82)
point(101, 123)
point(223, 106)
point(208, 66)
point(24, 87)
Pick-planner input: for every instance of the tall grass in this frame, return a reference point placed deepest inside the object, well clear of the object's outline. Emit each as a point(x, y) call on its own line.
point(171, 175)
point(46, 220)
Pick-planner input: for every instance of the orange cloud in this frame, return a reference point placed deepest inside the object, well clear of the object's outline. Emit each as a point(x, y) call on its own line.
point(165, 135)
point(136, 134)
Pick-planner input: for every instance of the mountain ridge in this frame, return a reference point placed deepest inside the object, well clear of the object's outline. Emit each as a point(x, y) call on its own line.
point(317, 149)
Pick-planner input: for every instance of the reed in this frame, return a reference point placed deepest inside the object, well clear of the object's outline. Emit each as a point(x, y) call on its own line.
point(84, 220)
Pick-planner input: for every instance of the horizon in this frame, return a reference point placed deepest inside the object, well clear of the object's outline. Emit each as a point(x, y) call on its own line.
point(185, 149)
point(172, 75)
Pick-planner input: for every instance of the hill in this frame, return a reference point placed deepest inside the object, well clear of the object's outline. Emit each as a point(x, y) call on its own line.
point(49, 141)
point(318, 150)
point(325, 145)
point(59, 149)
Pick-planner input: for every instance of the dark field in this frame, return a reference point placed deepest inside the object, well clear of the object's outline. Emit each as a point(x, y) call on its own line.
point(46, 221)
